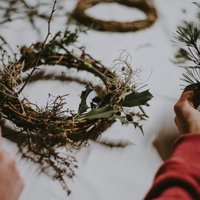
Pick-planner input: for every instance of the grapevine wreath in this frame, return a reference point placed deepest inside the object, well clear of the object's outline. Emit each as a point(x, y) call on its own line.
point(145, 6)
point(48, 136)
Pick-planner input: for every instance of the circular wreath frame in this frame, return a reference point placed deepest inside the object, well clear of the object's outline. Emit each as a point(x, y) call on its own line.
point(76, 127)
point(50, 136)
point(42, 132)
point(113, 26)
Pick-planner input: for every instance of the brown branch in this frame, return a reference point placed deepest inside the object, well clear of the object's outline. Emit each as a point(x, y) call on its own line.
point(42, 48)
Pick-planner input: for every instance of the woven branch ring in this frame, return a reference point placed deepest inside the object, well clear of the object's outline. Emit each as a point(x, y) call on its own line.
point(113, 26)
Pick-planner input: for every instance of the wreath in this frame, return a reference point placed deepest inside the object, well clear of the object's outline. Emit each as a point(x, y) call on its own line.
point(114, 26)
point(49, 136)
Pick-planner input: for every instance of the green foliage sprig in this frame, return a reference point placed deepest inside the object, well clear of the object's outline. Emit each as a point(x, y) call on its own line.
point(187, 38)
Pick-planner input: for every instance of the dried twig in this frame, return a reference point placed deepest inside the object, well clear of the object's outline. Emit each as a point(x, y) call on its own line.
point(42, 47)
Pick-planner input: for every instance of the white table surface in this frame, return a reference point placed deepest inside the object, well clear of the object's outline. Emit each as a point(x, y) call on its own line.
point(113, 173)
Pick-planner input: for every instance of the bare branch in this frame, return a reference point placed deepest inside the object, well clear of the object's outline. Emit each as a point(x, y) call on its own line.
point(42, 48)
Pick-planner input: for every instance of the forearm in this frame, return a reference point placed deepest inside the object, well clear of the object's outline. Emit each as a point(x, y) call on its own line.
point(179, 177)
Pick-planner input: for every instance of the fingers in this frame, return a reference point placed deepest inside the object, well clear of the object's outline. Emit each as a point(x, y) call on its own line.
point(12, 183)
point(187, 95)
point(193, 92)
point(189, 98)
point(186, 113)
point(185, 101)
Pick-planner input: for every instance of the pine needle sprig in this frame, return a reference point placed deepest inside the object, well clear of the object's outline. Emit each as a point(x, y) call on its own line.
point(192, 75)
point(187, 38)
point(188, 34)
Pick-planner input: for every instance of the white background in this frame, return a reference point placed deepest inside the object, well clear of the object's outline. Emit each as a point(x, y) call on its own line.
point(112, 173)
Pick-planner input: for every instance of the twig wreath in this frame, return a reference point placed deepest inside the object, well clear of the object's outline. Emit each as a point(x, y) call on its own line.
point(113, 26)
point(46, 132)
point(49, 136)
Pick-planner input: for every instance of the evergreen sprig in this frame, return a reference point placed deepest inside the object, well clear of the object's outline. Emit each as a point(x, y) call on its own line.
point(187, 38)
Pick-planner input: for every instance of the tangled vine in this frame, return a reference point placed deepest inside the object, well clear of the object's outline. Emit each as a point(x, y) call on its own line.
point(50, 135)
point(113, 26)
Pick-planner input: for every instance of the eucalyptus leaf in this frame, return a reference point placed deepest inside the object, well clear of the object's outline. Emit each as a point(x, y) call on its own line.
point(137, 125)
point(105, 100)
point(83, 105)
point(137, 99)
point(99, 113)
point(122, 119)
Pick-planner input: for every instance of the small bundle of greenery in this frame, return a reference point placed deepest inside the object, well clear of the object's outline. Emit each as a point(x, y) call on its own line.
point(49, 136)
point(187, 38)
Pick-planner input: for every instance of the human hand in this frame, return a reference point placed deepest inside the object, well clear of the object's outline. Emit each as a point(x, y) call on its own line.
point(187, 116)
point(11, 184)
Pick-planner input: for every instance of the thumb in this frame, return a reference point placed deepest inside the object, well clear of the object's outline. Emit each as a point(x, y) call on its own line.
point(186, 97)
point(194, 94)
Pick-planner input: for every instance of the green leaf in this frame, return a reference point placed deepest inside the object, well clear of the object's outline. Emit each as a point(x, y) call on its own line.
point(105, 100)
point(137, 125)
point(137, 99)
point(83, 105)
point(122, 119)
point(197, 4)
point(104, 112)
